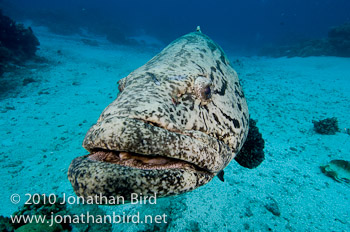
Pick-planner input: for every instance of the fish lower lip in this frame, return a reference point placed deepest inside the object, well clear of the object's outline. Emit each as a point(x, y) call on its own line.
point(138, 161)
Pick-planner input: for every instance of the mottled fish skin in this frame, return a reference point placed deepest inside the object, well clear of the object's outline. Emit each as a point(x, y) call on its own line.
point(92, 178)
point(185, 103)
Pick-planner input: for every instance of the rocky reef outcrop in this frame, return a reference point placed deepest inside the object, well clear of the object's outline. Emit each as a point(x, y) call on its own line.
point(339, 40)
point(17, 43)
point(336, 44)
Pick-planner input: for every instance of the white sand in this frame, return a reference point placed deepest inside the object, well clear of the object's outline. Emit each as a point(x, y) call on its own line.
point(44, 132)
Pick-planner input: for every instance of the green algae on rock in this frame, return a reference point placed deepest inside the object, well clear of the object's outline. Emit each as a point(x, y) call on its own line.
point(339, 170)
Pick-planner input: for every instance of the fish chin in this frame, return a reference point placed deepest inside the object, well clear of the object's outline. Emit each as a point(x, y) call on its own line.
point(115, 180)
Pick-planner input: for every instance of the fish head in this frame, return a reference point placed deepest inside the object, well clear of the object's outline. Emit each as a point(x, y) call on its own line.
point(177, 121)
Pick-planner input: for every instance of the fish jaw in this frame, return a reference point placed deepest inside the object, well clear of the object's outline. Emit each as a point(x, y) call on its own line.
point(136, 157)
point(113, 180)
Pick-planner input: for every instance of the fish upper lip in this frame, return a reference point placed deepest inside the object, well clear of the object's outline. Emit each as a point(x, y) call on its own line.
point(156, 140)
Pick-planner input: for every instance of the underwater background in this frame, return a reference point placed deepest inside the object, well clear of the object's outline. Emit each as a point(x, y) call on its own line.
point(292, 58)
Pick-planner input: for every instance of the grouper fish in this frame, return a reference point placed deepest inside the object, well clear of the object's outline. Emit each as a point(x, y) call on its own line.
point(176, 123)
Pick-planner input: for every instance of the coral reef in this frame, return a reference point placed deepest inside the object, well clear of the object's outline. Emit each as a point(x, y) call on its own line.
point(252, 152)
point(339, 39)
point(17, 43)
point(336, 44)
point(78, 21)
point(328, 126)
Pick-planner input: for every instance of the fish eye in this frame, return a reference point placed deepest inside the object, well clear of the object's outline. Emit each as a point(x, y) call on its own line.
point(207, 92)
point(202, 88)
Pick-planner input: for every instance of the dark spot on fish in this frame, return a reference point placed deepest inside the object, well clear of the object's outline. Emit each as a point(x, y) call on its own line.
point(238, 144)
point(192, 106)
point(223, 88)
point(172, 118)
point(239, 106)
point(224, 136)
point(245, 116)
point(201, 69)
point(190, 38)
point(226, 116)
point(211, 77)
point(238, 93)
point(187, 97)
point(216, 119)
point(236, 123)
point(206, 108)
point(218, 67)
point(211, 46)
point(222, 58)
point(154, 78)
point(213, 69)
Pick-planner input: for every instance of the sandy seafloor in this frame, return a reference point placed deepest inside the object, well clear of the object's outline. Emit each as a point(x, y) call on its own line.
point(43, 125)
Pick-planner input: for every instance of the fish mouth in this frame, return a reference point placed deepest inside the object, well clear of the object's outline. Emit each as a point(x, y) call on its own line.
point(139, 161)
point(132, 156)
point(140, 144)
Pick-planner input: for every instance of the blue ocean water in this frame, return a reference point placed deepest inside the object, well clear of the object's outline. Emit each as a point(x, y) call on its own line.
point(245, 25)
point(49, 103)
